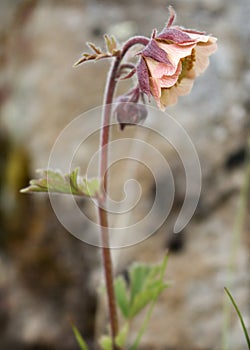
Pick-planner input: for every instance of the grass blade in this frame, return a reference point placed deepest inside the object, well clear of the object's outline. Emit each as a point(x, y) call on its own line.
point(82, 344)
point(240, 317)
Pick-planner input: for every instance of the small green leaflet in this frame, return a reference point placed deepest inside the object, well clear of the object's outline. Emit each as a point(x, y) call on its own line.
point(121, 337)
point(122, 298)
point(111, 44)
point(72, 183)
point(106, 342)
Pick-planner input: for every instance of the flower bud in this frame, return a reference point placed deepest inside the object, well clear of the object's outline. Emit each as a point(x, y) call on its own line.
point(128, 113)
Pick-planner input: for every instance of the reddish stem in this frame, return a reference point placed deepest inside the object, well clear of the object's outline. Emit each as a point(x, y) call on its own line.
point(103, 171)
point(142, 40)
point(103, 217)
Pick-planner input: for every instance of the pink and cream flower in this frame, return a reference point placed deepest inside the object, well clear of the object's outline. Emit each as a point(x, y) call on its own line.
point(172, 60)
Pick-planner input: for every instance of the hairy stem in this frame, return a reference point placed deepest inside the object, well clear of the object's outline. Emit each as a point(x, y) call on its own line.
point(103, 173)
point(103, 217)
point(136, 40)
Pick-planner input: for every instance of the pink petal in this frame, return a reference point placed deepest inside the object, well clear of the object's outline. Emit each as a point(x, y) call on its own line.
point(155, 89)
point(152, 50)
point(158, 69)
point(176, 52)
point(167, 81)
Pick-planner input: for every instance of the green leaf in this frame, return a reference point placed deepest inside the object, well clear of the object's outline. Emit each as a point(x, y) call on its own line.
point(145, 297)
point(106, 342)
point(72, 183)
point(121, 338)
point(121, 296)
point(146, 285)
point(138, 275)
point(82, 344)
point(160, 271)
point(240, 317)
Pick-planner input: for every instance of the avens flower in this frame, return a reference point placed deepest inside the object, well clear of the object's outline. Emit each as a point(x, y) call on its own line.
point(172, 60)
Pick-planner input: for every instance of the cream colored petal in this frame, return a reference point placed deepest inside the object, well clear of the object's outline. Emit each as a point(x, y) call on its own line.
point(184, 87)
point(212, 40)
point(202, 53)
point(198, 37)
point(169, 97)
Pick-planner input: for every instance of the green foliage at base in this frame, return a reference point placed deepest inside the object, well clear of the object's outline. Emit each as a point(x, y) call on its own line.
point(146, 283)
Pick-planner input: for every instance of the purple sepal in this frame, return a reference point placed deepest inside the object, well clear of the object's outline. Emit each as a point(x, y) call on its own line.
point(153, 51)
point(174, 35)
point(143, 78)
point(130, 114)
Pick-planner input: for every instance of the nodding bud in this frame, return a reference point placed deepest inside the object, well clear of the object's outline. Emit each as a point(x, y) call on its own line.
point(128, 113)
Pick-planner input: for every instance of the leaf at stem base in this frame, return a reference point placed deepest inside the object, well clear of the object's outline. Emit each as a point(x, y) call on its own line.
point(72, 183)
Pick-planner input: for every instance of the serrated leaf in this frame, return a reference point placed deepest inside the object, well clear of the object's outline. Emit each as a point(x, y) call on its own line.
point(55, 182)
point(82, 344)
point(146, 285)
point(141, 275)
point(105, 342)
point(157, 272)
point(121, 296)
point(145, 297)
point(121, 338)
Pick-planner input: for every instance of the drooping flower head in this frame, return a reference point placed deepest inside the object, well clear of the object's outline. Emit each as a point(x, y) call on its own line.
point(172, 60)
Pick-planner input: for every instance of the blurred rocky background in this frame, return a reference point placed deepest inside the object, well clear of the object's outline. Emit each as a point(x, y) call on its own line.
point(48, 277)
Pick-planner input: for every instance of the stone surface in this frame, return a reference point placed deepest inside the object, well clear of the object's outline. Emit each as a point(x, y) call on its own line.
point(46, 276)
